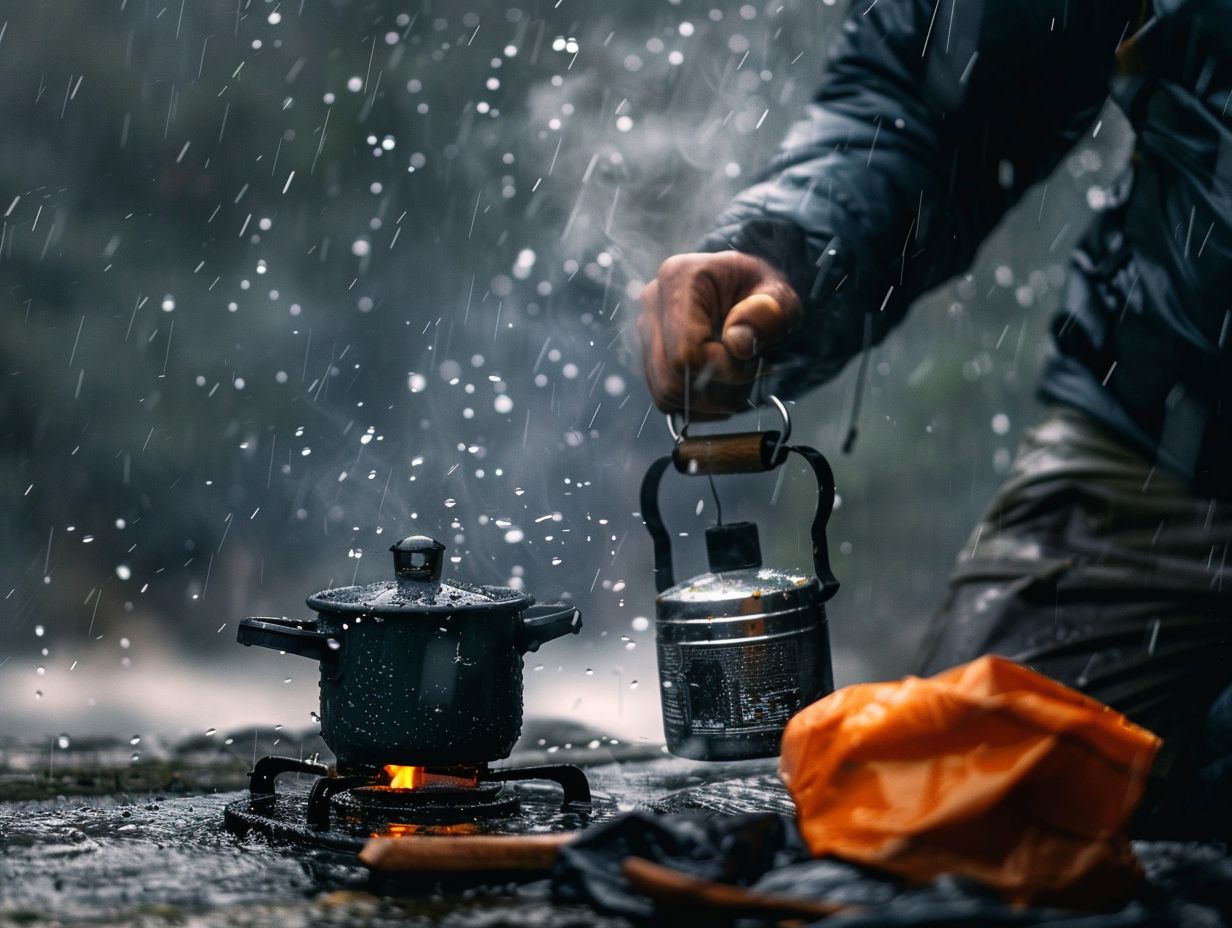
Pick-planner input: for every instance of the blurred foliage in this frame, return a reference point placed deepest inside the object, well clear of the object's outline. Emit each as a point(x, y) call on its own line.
point(281, 281)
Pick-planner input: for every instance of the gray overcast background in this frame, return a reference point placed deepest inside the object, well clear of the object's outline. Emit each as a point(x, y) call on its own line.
point(283, 281)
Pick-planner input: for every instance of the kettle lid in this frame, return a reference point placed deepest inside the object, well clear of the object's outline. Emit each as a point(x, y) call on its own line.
point(749, 591)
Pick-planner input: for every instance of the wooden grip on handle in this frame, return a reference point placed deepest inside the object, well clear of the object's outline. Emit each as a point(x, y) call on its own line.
point(736, 453)
point(463, 853)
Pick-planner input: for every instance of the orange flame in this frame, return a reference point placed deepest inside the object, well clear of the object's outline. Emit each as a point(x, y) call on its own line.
point(405, 777)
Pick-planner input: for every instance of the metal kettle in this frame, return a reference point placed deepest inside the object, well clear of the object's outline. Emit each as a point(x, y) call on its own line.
point(743, 647)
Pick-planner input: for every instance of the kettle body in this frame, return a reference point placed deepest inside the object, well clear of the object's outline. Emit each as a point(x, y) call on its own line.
point(739, 653)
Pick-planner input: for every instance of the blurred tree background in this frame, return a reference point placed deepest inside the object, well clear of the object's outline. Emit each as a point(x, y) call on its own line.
point(284, 280)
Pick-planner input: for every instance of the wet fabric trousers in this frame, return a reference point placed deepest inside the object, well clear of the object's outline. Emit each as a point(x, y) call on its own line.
point(1109, 575)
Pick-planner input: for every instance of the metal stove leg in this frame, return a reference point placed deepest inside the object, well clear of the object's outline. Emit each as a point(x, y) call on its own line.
point(571, 780)
point(261, 779)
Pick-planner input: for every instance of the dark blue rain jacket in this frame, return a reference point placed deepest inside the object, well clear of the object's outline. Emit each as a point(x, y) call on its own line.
point(935, 116)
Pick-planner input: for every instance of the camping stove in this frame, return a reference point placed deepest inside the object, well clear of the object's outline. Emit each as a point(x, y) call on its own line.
point(342, 810)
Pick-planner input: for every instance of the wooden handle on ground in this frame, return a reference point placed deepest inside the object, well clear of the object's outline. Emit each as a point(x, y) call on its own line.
point(463, 853)
point(672, 889)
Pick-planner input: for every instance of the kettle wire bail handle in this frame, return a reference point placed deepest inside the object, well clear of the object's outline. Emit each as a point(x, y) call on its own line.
point(654, 522)
point(825, 506)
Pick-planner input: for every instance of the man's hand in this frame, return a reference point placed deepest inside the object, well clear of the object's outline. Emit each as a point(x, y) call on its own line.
point(706, 319)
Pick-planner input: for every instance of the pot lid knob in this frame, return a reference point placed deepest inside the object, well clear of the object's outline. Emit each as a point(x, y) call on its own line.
point(418, 558)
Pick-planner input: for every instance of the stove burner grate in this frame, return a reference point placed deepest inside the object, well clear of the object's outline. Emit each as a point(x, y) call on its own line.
point(425, 805)
point(342, 812)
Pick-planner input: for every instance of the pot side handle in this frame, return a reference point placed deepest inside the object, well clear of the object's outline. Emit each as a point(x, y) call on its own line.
point(544, 622)
point(294, 637)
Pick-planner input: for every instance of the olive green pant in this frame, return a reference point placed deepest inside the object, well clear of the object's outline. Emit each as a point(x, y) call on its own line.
point(1103, 572)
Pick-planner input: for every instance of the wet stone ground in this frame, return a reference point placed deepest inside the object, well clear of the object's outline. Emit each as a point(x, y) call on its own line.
point(118, 845)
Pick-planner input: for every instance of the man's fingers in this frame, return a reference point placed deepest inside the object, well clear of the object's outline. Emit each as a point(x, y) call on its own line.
point(708, 390)
point(754, 324)
point(686, 320)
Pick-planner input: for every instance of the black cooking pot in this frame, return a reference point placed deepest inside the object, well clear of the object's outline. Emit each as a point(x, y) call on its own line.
point(415, 671)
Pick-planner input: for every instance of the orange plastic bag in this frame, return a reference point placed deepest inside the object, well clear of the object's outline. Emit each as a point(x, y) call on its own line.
point(989, 770)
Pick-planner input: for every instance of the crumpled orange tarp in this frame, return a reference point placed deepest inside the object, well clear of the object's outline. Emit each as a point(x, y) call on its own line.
point(989, 770)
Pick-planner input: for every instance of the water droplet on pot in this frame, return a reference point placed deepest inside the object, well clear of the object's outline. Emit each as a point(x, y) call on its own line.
point(134, 740)
point(63, 742)
point(210, 731)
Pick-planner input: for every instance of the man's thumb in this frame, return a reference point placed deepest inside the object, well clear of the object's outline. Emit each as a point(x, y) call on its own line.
point(752, 325)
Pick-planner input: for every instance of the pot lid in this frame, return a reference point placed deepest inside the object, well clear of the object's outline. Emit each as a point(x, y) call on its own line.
point(417, 588)
point(750, 591)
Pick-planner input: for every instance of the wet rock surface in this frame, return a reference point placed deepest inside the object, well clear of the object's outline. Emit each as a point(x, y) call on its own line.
point(93, 854)
point(108, 765)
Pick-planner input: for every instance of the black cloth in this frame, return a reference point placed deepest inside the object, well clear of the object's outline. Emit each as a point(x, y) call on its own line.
point(935, 116)
point(734, 849)
point(1187, 884)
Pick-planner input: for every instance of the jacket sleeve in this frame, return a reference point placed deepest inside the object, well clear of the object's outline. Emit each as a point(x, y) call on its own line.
point(934, 116)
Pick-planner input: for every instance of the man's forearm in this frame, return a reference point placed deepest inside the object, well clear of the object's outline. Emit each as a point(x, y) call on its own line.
point(907, 159)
